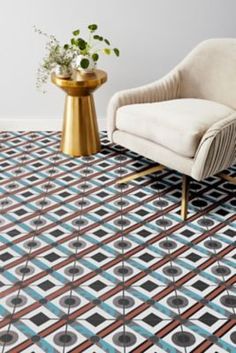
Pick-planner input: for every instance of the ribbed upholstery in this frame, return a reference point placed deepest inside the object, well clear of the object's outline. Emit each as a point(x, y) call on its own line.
point(164, 89)
point(217, 150)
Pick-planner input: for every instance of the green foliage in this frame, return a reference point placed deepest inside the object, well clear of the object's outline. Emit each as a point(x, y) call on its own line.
point(64, 55)
point(116, 51)
point(56, 55)
point(76, 32)
point(97, 37)
point(95, 57)
point(84, 63)
point(81, 43)
point(73, 41)
point(93, 27)
point(107, 51)
point(89, 47)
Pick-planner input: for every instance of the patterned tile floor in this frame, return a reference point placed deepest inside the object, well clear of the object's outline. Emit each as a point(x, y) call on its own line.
point(90, 266)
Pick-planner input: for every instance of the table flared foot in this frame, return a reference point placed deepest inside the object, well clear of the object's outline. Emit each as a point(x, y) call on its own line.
point(80, 135)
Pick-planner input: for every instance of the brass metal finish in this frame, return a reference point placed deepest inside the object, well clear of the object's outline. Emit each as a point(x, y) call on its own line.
point(185, 185)
point(80, 131)
point(227, 177)
point(185, 192)
point(140, 174)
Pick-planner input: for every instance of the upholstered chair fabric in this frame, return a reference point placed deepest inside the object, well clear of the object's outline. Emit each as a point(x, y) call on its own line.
point(187, 120)
point(209, 72)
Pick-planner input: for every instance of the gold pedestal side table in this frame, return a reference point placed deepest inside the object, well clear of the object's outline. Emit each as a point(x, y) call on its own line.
point(80, 135)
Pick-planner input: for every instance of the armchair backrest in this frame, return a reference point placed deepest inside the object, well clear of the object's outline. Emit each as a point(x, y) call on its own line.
point(209, 72)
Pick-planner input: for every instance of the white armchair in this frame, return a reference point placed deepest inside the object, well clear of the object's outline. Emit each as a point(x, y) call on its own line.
point(187, 120)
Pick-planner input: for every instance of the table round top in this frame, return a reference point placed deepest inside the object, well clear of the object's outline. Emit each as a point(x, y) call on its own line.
point(81, 80)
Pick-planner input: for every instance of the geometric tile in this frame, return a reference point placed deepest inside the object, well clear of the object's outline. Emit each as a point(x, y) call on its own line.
point(95, 319)
point(152, 319)
point(89, 265)
point(200, 285)
point(45, 285)
point(149, 286)
point(208, 319)
point(39, 319)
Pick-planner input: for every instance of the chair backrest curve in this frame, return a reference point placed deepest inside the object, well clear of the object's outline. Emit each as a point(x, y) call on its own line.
point(209, 72)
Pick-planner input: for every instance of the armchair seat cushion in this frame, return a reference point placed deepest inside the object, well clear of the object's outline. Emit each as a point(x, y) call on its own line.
point(177, 124)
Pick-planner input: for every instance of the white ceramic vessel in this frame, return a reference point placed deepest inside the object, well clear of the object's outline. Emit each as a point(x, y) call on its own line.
point(91, 66)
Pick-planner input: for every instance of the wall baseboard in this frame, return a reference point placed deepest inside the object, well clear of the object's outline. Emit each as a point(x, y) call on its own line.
point(38, 124)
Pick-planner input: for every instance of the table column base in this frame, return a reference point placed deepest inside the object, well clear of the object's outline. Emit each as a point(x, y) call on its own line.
point(80, 135)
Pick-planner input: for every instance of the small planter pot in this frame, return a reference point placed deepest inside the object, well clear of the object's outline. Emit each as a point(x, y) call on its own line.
point(84, 64)
point(62, 71)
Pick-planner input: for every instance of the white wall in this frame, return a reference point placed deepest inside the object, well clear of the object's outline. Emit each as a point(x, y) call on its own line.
point(153, 35)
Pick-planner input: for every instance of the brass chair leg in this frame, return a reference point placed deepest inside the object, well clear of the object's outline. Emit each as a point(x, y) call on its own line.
point(227, 177)
point(134, 176)
point(185, 192)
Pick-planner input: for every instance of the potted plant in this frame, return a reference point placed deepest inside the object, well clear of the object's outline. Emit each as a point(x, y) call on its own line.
point(57, 59)
point(88, 51)
point(80, 54)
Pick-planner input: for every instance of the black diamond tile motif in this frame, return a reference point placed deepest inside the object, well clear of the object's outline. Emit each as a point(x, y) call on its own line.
point(3, 165)
point(100, 233)
point(222, 212)
point(64, 194)
point(103, 178)
point(149, 286)
point(97, 286)
point(39, 319)
point(230, 233)
point(99, 257)
point(61, 212)
point(71, 165)
point(174, 179)
point(46, 285)
point(144, 233)
point(142, 213)
point(52, 257)
point(146, 257)
point(27, 194)
point(152, 320)
point(101, 212)
point(103, 165)
point(32, 178)
point(20, 212)
point(57, 233)
point(140, 194)
point(102, 194)
point(96, 319)
point(187, 233)
point(137, 165)
point(5, 257)
point(208, 319)
point(13, 233)
point(215, 194)
point(200, 285)
point(193, 257)
point(67, 178)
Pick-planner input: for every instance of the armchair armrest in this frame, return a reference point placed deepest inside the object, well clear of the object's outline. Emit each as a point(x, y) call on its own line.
point(164, 89)
point(217, 149)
